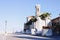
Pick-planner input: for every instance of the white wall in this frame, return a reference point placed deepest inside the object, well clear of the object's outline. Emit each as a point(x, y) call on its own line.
point(48, 22)
point(40, 23)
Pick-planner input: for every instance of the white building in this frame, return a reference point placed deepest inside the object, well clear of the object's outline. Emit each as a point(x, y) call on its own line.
point(38, 25)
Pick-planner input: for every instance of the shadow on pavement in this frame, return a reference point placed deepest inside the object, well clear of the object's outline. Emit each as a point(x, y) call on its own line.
point(33, 38)
point(36, 38)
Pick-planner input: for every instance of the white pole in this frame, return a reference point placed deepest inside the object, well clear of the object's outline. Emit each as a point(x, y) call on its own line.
point(5, 26)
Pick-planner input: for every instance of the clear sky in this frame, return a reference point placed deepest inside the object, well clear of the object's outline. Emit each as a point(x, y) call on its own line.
point(16, 11)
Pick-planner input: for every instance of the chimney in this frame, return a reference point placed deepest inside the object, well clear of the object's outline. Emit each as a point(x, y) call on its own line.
point(37, 9)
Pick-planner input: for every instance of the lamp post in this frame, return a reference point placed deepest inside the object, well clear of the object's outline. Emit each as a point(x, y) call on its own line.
point(59, 18)
point(59, 14)
point(5, 26)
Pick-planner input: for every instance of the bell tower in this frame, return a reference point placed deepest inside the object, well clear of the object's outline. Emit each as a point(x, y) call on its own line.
point(37, 9)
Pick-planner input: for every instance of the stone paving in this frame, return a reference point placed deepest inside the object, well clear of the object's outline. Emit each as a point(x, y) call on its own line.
point(10, 37)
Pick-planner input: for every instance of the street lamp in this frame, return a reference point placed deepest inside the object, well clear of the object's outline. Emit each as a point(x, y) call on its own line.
point(59, 19)
point(5, 26)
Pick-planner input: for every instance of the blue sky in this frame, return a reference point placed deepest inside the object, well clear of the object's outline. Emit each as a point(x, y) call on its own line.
point(16, 11)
